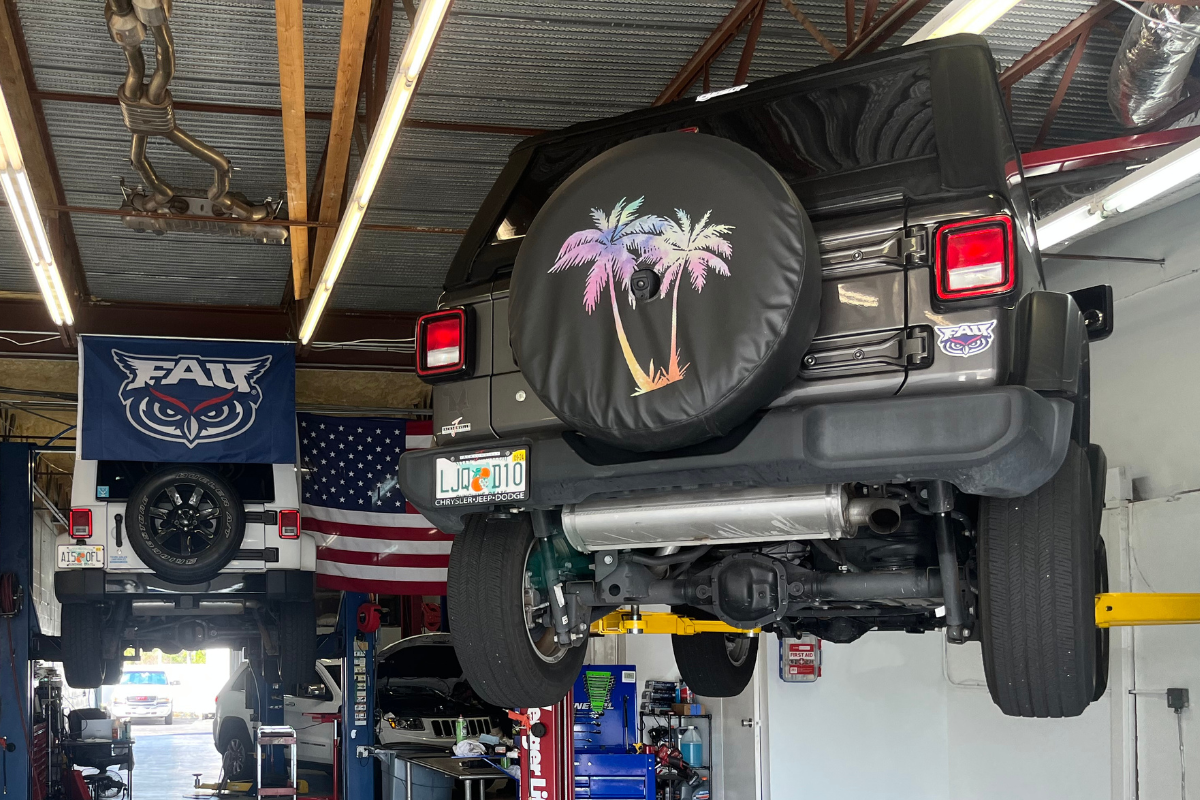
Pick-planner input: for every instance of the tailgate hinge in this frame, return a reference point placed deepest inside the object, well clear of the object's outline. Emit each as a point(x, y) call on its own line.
point(914, 246)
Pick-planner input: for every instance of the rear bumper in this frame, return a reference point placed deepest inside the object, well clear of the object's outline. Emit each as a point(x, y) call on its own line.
point(95, 585)
point(999, 442)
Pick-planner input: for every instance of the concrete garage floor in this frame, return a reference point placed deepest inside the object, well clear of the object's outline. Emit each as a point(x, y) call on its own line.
point(166, 756)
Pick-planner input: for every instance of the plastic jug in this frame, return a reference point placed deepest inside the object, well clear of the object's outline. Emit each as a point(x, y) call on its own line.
point(692, 748)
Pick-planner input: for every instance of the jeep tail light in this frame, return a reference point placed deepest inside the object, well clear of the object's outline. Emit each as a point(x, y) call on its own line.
point(442, 343)
point(81, 523)
point(289, 524)
point(975, 258)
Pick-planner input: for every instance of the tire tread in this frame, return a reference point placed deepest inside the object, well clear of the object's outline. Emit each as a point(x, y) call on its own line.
point(1036, 586)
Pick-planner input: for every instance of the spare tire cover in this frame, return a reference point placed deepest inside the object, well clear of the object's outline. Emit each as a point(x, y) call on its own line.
point(739, 293)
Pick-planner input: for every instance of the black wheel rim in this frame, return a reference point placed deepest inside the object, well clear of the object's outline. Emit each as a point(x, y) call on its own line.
point(737, 648)
point(185, 519)
point(235, 757)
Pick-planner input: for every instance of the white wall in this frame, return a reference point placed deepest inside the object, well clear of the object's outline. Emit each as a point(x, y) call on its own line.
point(884, 720)
point(1145, 377)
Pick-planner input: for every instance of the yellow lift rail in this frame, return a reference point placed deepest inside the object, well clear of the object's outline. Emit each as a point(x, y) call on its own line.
point(1146, 608)
point(1115, 609)
point(659, 622)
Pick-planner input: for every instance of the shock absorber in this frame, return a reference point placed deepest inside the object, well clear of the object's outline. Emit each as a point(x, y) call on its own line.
point(941, 503)
point(544, 528)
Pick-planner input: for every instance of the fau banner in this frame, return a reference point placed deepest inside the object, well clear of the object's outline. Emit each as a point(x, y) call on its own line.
point(187, 400)
point(369, 538)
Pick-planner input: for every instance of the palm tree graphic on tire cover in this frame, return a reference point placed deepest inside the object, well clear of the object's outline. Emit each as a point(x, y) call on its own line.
point(692, 249)
point(613, 249)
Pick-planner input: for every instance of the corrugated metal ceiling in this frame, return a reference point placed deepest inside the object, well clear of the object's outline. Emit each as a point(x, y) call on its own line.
point(499, 62)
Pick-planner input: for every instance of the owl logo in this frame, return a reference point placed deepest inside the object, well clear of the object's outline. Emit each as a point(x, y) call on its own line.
point(966, 339)
point(188, 399)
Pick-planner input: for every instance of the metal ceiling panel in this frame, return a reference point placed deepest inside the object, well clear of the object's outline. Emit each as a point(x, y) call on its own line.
point(523, 63)
point(395, 271)
point(16, 275)
point(179, 267)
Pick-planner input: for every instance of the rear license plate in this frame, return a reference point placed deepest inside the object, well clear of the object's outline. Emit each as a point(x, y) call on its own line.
point(80, 556)
point(490, 476)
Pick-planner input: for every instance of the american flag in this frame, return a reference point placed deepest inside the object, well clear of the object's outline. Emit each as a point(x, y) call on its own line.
point(369, 538)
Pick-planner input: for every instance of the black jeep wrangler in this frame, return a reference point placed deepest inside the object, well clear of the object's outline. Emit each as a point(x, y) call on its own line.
point(781, 357)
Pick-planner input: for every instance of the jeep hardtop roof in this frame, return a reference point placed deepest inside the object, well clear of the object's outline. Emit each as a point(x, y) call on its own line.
point(920, 123)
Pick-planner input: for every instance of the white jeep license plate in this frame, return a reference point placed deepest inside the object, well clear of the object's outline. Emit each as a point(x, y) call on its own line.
point(80, 556)
point(491, 476)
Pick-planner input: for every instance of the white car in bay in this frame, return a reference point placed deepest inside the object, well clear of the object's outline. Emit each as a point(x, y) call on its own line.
point(420, 694)
point(143, 694)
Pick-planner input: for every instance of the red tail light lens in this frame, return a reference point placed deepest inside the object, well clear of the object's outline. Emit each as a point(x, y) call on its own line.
point(81, 523)
point(442, 343)
point(975, 258)
point(289, 524)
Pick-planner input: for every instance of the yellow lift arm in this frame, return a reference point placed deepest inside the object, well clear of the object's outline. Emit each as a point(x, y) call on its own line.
point(1146, 608)
point(659, 622)
point(1114, 609)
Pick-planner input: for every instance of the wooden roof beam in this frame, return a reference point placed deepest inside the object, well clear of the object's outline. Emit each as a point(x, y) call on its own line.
point(289, 32)
point(356, 17)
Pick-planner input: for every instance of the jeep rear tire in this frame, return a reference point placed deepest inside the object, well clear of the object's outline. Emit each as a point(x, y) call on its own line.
point(185, 523)
point(1037, 581)
point(1102, 634)
point(297, 644)
point(507, 662)
point(82, 653)
point(715, 664)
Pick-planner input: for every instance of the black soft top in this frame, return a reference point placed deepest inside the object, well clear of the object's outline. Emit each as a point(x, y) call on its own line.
point(917, 123)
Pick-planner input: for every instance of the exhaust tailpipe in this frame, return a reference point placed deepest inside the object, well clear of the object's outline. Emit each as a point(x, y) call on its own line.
point(685, 519)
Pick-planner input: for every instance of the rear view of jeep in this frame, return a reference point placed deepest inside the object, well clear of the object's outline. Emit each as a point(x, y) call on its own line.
point(783, 358)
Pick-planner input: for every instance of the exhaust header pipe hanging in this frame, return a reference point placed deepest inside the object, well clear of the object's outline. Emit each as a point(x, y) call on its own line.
point(148, 110)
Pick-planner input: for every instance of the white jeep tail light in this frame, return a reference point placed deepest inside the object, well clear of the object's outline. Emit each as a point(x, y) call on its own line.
point(442, 343)
point(81, 523)
point(975, 258)
point(289, 524)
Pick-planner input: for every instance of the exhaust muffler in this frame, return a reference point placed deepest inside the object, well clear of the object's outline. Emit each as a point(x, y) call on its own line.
point(682, 519)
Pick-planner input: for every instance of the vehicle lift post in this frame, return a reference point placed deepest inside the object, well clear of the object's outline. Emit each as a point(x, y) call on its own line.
point(16, 678)
point(358, 620)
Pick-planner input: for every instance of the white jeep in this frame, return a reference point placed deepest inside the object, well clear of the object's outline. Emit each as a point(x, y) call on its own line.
point(185, 557)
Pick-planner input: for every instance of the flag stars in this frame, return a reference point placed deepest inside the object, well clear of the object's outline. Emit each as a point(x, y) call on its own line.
point(360, 430)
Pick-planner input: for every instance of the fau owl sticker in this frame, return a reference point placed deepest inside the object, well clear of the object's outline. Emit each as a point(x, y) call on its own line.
point(190, 400)
point(966, 339)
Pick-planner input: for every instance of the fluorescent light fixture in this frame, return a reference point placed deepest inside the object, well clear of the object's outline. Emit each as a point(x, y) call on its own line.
point(430, 15)
point(1066, 224)
point(19, 196)
point(1156, 178)
point(1140, 186)
point(963, 16)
